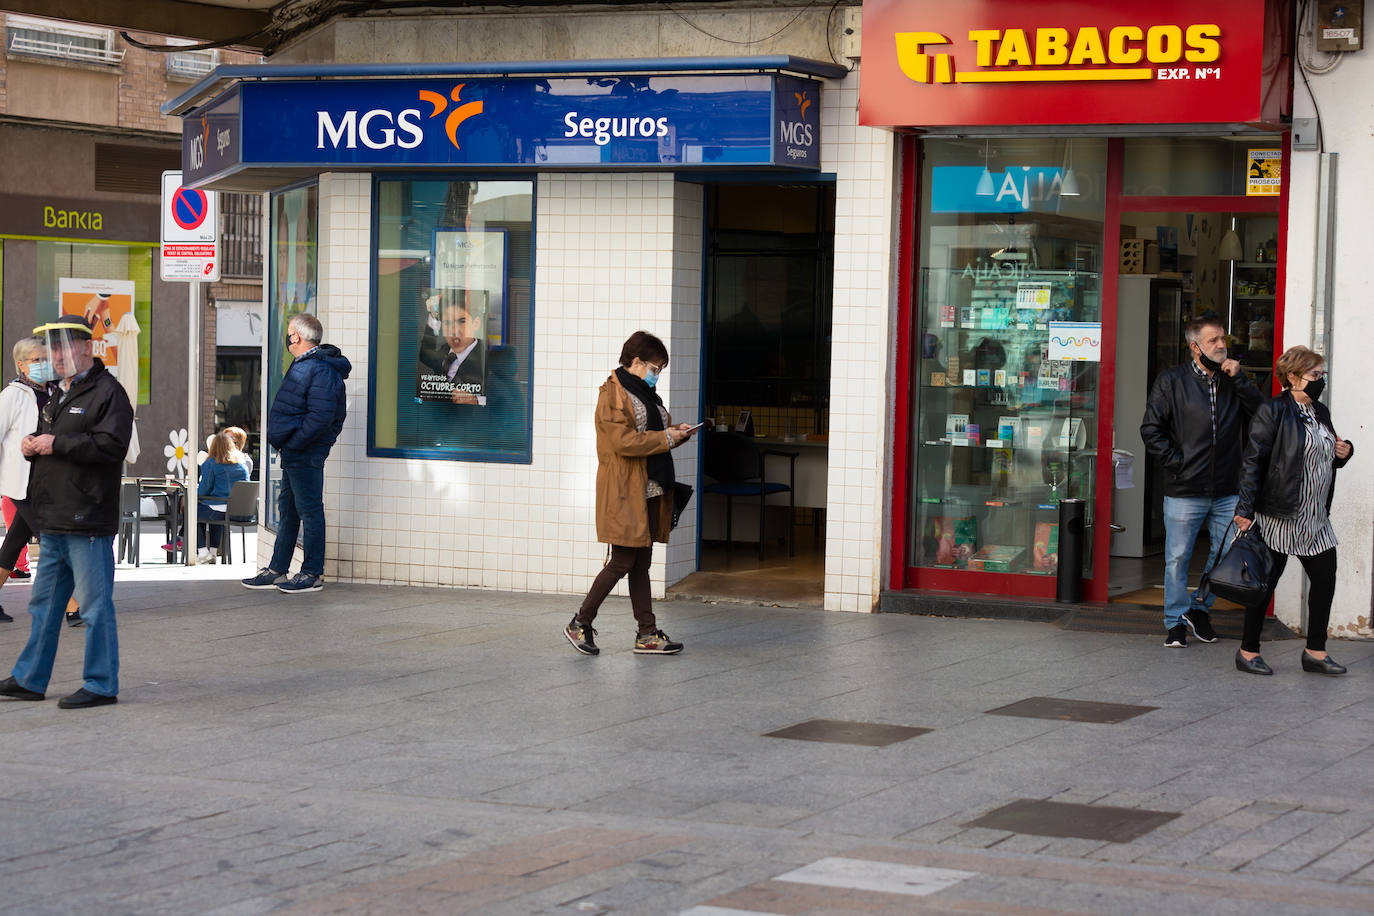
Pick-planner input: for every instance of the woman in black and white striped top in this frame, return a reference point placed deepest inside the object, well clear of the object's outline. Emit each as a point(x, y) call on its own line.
point(1287, 481)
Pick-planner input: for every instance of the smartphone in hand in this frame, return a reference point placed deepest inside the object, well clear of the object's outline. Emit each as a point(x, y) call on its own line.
point(691, 429)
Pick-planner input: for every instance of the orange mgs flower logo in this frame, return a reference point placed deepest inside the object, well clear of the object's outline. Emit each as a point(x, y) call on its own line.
point(802, 101)
point(457, 116)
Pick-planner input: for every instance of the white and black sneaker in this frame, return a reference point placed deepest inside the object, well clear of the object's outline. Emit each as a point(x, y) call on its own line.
point(1200, 622)
point(1178, 637)
point(266, 578)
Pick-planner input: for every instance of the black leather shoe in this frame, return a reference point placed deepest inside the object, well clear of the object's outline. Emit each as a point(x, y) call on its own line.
point(9, 687)
point(4, 618)
point(74, 619)
point(84, 699)
point(1254, 665)
point(1327, 666)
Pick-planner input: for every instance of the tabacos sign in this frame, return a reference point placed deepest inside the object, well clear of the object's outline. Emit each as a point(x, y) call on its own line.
point(1007, 62)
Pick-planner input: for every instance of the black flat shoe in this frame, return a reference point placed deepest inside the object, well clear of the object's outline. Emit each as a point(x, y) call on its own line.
point(4, 618)
point(9, 687)
point(1327, 666)
point(84, 699)
point(74, 619)
point(1254, 665)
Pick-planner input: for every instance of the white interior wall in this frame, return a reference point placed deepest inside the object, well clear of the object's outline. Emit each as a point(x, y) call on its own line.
point(1347, 109)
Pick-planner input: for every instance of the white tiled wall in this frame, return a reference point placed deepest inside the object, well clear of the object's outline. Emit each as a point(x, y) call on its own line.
point(614, 253)
point(860, 365)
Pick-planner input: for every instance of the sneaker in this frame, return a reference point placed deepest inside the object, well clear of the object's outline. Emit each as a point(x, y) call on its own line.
point(301, 582)
point(1178, 637)
point(205, 555)
point(266, 578)
point(169, 547)
point(74, 619)
point(21, 574)
point(4, 618)
point(656, 643)
point(580, 635)
point(1200, 622)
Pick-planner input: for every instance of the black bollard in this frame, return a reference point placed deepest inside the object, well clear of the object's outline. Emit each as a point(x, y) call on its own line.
point(1070, 581)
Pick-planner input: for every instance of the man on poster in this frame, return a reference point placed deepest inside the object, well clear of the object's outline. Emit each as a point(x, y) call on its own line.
point(461, 374)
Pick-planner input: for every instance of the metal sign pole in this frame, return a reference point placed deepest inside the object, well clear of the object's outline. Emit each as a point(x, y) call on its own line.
point(192, 420)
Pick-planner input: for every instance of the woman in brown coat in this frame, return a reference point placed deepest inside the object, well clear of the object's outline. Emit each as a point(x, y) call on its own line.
point(634, 485)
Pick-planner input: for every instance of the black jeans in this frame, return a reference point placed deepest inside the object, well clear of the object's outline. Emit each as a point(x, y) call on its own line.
point(18, 535)
point(1321, 569)
point(631, 561)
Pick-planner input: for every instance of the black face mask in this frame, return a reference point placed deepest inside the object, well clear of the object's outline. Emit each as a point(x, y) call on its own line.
point(1314, 389)
point(1208, 362)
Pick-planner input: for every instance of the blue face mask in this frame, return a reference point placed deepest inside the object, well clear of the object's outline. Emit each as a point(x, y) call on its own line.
point(41, 373)
point(651, 378)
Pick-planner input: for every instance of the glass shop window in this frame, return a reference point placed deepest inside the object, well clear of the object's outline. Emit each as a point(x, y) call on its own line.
point(1010, 349)
point(452, 320)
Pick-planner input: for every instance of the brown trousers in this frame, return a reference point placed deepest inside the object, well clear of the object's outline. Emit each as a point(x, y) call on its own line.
point(631, 561)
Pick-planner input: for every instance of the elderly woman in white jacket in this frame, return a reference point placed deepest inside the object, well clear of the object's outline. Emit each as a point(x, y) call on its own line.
point(20, 402)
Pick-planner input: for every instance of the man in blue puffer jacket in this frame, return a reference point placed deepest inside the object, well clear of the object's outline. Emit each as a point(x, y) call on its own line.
point(302, 425)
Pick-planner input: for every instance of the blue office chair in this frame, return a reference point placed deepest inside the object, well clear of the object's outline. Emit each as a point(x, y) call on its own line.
point(735, 464)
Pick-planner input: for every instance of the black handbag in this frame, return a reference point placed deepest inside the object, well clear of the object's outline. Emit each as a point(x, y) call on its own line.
point(1241, 574)
point(682, 495)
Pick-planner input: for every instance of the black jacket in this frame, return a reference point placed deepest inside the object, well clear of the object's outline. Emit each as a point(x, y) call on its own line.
point(75, 490)
point(1271, 476)
point(1177, 430)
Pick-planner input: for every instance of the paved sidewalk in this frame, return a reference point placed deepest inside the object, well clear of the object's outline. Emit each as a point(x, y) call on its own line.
point(369, 749)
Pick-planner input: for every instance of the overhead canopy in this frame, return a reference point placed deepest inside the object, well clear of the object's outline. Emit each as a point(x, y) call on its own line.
point(250, 128)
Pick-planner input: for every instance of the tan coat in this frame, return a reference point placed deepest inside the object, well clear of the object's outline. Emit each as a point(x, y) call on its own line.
point(622, 515)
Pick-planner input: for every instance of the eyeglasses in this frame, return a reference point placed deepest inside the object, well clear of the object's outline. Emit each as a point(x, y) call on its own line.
point(656, 370)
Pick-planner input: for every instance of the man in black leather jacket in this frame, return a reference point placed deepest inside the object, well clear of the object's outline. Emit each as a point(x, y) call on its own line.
point(82, 438)
point(1194, 426)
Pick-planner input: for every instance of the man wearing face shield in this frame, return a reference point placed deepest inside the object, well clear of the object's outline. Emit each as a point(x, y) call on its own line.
point(1194, 426)
point(82, 437)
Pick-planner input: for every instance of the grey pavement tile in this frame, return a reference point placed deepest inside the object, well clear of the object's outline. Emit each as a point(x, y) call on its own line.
point(275, 752)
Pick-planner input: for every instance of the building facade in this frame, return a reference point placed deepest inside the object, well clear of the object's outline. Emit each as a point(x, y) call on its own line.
point(1003, 266)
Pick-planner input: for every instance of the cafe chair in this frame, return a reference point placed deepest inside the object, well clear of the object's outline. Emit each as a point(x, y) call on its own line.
point(130, 521)
point(240, 512)
point(736, 465)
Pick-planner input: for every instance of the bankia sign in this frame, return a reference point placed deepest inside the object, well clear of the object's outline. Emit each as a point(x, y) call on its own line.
point(688, 122)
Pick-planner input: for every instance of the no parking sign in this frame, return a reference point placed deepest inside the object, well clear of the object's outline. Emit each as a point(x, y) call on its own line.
point(190, 231)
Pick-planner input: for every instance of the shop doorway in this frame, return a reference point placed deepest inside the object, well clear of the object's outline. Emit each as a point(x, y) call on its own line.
point(1180, 266)
point(765, 392)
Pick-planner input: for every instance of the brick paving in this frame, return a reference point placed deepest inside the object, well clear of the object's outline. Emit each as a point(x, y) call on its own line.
point(370, 749)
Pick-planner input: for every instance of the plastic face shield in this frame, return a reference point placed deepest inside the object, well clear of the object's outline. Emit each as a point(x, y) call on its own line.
point(69, 347)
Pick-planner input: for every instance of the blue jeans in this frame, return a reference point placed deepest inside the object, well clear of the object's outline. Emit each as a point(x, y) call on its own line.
point(72, 564)
point(1184, 517)
point(301, 502)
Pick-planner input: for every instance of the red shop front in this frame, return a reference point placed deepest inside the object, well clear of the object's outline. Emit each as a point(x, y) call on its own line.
point(1078, 183)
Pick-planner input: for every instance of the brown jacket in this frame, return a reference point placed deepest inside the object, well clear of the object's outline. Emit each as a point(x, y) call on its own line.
point(622, 515)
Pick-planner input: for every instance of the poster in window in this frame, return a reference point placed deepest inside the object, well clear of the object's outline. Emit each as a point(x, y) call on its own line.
point(452, 362)
point(107, 306)
point(475, 260)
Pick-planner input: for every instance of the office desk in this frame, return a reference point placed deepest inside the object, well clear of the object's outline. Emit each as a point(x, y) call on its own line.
point(813, 464)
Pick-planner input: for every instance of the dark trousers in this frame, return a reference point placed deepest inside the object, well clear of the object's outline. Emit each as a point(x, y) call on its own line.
point(300, 504)
point(1321, 570)
point(631, 561)
point(17, 535)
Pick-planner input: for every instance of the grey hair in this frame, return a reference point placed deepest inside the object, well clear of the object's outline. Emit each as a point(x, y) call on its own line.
point(1193, 333)
point(25, 346)
point(308, 326)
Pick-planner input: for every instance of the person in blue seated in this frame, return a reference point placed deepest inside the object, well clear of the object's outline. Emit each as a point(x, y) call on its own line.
point(223, 468)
